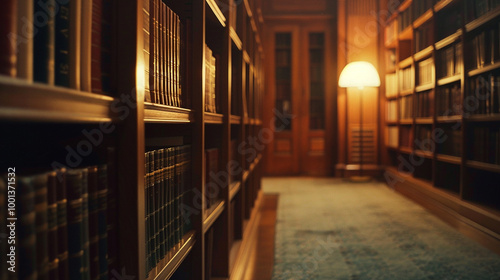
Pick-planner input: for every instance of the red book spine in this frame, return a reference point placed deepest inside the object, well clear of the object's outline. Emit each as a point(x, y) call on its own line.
point(96, 74)
point(8, 38)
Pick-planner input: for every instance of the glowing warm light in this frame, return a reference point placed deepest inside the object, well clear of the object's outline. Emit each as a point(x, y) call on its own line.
point(359, 74)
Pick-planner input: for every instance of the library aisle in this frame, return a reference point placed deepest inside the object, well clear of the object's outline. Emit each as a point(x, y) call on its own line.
point(333, 229)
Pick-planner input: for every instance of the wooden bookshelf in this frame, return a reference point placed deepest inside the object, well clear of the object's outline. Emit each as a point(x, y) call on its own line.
point(452, 174)
point(152, 101)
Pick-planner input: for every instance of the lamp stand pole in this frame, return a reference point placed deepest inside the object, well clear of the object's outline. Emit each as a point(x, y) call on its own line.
point(360, 132)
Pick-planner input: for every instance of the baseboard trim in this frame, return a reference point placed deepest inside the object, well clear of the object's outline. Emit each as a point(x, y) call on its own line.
point(478, 223)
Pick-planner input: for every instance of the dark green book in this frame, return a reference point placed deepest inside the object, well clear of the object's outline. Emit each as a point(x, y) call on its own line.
point(161, 204)
point(85, 225)
point(157, 207)
point(62, 224)
point(44, 44)
point(93, 223)
point(146, 211)
point(152, 217)
point(74, 188)
point(41, 225)
point(52, 226)
point(62, 42)
point(112, 211)
point(26, 229)
point(102, 216)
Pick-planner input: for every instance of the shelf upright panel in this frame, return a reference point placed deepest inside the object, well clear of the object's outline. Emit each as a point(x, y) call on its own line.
point(130, 159)
point(221, 246)
point(198, 144)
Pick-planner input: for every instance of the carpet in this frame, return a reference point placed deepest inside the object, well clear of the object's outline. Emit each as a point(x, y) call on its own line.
point(333, 229)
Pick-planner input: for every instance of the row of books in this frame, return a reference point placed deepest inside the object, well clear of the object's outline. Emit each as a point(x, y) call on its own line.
point(453, 142)
point(162, 54)
point(425, 71)
point(424, 102)
point(485, 47)
point(391, 32)
point(406, 107)
point(404, 19)
point(392, 110)
point(420, 7)
point(63, 43)
point(423, 135)
point(486, 145)
point(167, 181)
point(483, 96)
point(212, 169)
point(450, 61)
point(406, 79)
point(211, 100)
point(390, 59)
point(424, 36)
point(391, 85)
point(63, 227)
point(449, 21)
point(406, 136)
point(449, 100)
point(392, 136)
point(479, 8)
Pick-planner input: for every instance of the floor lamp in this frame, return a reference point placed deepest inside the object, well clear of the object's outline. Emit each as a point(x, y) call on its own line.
point(359, 74)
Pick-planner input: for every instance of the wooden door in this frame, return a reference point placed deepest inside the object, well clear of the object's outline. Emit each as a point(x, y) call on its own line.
point(298, 106)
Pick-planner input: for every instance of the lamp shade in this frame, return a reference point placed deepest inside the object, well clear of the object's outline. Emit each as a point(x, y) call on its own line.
point(359, 74)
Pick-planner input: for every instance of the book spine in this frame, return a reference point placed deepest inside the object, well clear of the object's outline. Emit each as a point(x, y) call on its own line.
point(8, 38)
point(151, 197)
point(111, 213)
point(53, 265)
point(146, 49)
point(44, 48)
point(26, 229)
point(62, 45)
point(168, 203)
point(85, 270)
point(74, 180)
point(62, 224)
point(106, 45)
point(93, 223)
point(177, 195)
point(178, 61)
point(75, 42)
point(165, 49)
point(157, 213)
point(102, 216)
point(146, 211)
point(153, 74)
point(96, 74)
point(41, 224)
point(171, 197)
point(86, 45)
point(25, 39)
point(162, 204)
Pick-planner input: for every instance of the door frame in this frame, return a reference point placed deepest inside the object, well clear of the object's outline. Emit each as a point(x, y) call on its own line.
point(293, 164)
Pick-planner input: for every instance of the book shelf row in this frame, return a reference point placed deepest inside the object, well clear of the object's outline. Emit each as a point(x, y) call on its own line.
point(65, 44)
point(441, 111)
point(62, 224)
point(161, 93)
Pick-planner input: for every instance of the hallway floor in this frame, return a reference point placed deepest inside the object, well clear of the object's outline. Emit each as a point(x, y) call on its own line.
point(331, 229)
